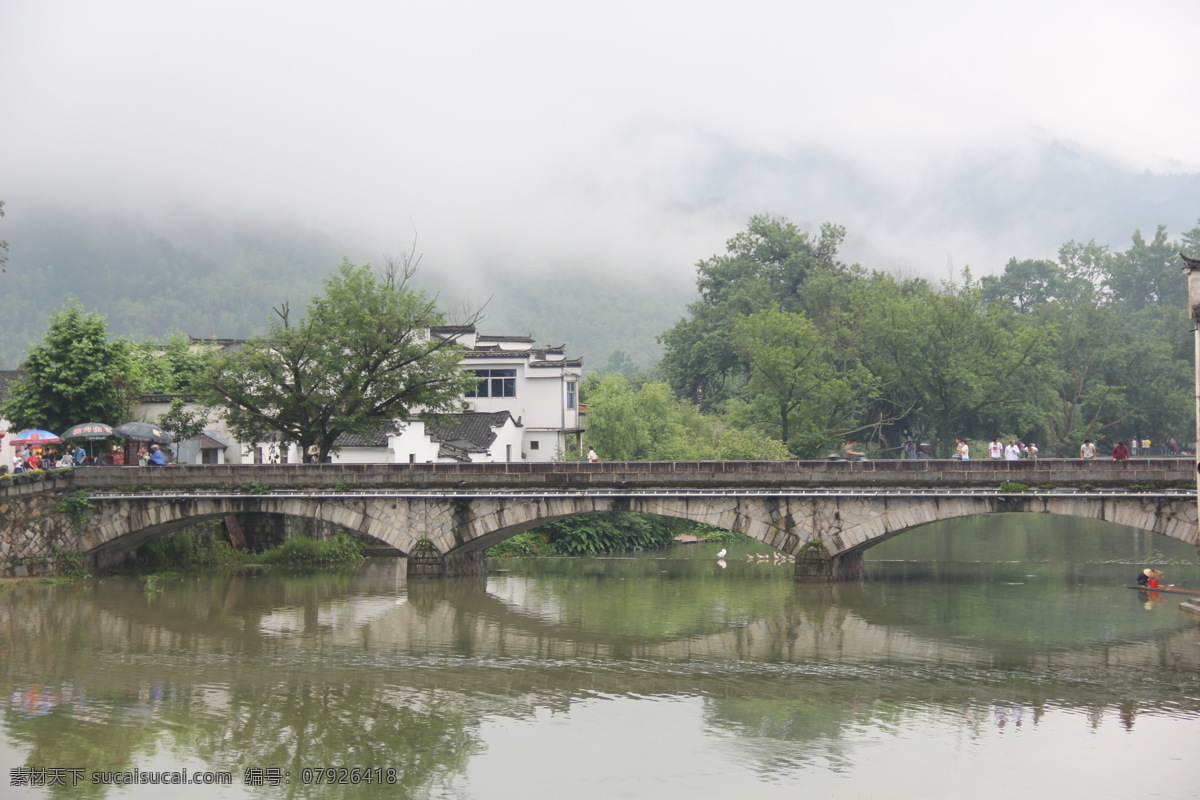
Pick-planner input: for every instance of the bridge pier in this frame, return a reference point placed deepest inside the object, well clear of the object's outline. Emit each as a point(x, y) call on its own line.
point(815, 565)
point(426, 562)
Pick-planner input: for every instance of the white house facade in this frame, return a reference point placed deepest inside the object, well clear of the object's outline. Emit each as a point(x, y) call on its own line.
point(538, 386)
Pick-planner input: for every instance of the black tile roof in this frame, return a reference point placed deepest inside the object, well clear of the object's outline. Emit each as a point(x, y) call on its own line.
point(376, 438)
point(468, 432)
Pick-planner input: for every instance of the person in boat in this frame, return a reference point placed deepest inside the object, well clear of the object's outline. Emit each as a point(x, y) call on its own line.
point(1143, 579)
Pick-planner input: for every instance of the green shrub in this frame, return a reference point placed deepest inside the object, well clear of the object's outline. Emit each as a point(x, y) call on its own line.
point(529, 543)
point(70, 563)
point(1013, 486)
point(302, 551)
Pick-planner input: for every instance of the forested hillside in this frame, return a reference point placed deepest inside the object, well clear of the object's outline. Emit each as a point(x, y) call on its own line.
point(209, 281)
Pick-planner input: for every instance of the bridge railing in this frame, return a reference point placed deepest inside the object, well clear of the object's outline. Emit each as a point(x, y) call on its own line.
point(919, 473)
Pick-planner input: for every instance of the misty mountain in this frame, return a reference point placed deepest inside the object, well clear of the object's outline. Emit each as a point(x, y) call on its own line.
point(206, 276)
point(209, 281)
point(976, 210)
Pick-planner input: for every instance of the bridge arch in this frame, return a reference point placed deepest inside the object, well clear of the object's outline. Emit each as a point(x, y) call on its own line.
point(463, 509)
point(845, 526)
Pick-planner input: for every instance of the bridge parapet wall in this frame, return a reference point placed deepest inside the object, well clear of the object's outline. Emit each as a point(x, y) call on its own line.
point(932, 473)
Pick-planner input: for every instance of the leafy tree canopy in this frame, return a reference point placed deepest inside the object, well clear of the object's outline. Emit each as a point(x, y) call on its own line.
point(74, 375)
point(360, 359)
point(808, 395)
point(770, 263)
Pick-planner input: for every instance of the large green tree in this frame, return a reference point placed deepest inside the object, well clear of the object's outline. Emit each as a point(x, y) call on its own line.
point(810, 394)
point(74, 375)
point(947, 356)
point(361, 358)
point(771, 263)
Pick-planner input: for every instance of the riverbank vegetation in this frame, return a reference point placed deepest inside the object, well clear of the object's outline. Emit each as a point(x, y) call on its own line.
point(606, 532)
point(189, 550)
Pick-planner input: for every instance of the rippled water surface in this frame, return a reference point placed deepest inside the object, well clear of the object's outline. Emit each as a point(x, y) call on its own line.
point(987, 658)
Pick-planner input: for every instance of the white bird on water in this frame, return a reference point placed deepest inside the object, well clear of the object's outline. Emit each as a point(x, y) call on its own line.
point(722, 553)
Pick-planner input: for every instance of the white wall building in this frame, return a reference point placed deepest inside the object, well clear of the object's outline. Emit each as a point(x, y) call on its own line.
point(538, 386)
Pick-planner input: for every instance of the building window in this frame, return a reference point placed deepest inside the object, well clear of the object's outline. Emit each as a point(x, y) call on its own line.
point(570, 394)
point(533, 445)
point(495, 383)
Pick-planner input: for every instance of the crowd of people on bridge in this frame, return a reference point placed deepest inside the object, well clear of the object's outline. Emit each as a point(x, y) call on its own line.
point(1015, 450)
point(29, 459)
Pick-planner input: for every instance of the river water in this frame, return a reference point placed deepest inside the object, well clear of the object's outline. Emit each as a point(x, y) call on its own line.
point(990, 658)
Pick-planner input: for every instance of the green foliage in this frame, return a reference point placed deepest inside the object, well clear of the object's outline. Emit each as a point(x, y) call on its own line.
point(302, 551)
point(534, 543)
point(75, 505)
point(359, 359)
point(1013, 486)
point(154, 583)
point(947, 357)
point(187, 549)
point(770, 263)
point(608, 532)
point(74, 375)
point(176, 366)
point(589, 534)
point(648, 423)
point(182, 423)
point(1085, 346)
point(809, 394)
point(707, 533)
point(254, 488)
point(70, 563)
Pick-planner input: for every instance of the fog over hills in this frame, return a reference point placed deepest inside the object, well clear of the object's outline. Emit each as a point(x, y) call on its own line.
point(219, 274)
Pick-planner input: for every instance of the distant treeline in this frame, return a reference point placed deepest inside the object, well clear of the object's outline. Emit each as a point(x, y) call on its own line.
point(789, 342)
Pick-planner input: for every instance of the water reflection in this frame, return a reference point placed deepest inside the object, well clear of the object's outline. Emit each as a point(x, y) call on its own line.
point(732, 676)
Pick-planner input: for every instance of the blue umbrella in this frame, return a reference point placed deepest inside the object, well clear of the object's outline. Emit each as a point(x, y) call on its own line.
point(36, 436)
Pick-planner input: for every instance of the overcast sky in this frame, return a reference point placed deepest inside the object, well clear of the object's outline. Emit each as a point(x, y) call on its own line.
point(627, 134)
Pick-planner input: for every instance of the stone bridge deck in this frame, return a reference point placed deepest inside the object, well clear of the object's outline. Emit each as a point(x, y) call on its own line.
point(919, 473)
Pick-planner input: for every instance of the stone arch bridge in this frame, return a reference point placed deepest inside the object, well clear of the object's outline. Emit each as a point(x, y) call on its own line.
point(445, 516)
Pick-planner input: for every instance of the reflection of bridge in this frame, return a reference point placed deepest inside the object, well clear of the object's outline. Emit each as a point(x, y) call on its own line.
point(445, 516)
point(479, 631)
